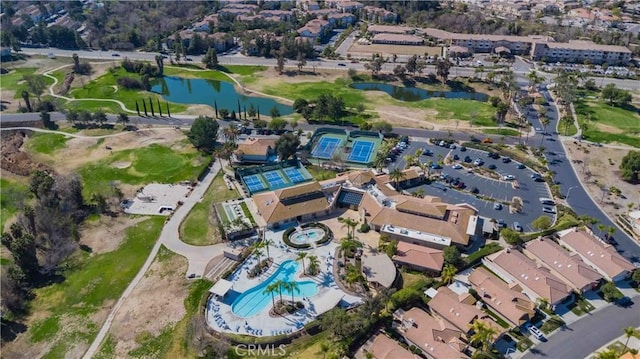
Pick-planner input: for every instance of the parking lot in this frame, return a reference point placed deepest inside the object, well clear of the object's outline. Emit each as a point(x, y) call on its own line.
point(501, 191)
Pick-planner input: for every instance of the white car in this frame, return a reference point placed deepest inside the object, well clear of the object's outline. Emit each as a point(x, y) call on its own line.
point(457, 166)
point(536, 332)
point(508, 177)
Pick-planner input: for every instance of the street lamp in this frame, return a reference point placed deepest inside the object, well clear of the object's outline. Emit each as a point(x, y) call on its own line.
point(566, 198)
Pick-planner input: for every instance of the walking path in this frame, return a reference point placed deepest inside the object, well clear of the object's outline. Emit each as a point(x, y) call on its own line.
point(197, 256)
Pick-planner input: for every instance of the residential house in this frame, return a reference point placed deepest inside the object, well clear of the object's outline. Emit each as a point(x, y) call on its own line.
point(459, 310)
point(419, 258)
point(389, 29)
point(299, 203)
point(575, 273)
point(536, 282)
point(397, 39)
point(206, 24)
point(599, 255)
point(383, 347)
point(238, 9)
point(435, 337)
point(256, 150)
point(379, 15)
point(280, 15)
point(580, 51)
point(314, 28)
point(341, 20)
point(308, 5)
point(506, 300)
point(349, 6)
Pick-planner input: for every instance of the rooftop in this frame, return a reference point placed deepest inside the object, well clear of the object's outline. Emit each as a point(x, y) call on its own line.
point(420, 236)
point(378, 268)
point(424, 257)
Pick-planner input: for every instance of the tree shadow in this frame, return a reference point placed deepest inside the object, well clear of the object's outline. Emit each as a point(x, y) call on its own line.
point(11, 329)
point(86, 248)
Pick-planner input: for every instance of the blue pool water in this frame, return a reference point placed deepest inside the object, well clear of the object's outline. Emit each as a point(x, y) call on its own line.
point(255, 300)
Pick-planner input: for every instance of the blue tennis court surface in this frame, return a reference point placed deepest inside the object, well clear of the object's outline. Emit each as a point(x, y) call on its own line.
point(274, 178)
point(294, 174)
point(326, 147)
point(254, 183)
point(361, 151)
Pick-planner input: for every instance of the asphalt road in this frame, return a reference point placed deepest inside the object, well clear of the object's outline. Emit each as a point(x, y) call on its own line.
point(521, 68)
point(502, 191)
point(584, 337)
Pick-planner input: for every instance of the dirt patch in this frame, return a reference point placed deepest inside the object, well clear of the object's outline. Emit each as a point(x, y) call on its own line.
point(609, 129)
point(600, 167)
point(80, 151)
point(271, 77)
point(360, 51)
point(9, 104)
point(107, 233)
point(13, 159)
point(199, 110)
point(157, 301)
point(121, 165)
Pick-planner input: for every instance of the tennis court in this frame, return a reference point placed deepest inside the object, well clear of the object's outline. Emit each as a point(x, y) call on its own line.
point(274, 178)
point(254, 183)
point(326, 147)
point(294, 174)
point(361, 151)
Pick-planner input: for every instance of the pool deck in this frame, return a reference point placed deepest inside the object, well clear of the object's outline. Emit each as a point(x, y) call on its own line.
point(221, 318)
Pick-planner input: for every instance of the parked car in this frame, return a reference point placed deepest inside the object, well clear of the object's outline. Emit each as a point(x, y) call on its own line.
point(474, 190)
point(467, 159)
point(456, 157)
point(502, 223)
point(508, 177)
point(452, 146)
point(460, 185)
point(536, 332)
point(548, 210)
point(478, 162)
point(342, 65)
point(436, 166)
point(487, 140)
point(517, 227)
point(521, 166)
point(457, 166)
point(427, 153)
point(497, 206)
point(506, 160)
point(463, 149)
point(492, 167)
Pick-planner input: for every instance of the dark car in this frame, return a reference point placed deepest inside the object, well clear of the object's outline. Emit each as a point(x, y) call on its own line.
point(436, 167)
point(341, 64)
point(427, 153)
point(502, 223)
point(456, 157)
point(115, 55)
point(474, 190)
point(624, 302)
point(189, 59)
point(467, 159)
point(463, 149)
point(492, 167)
point(493, 155)
point(506, 160)
point(460, 185)
point(521, 166)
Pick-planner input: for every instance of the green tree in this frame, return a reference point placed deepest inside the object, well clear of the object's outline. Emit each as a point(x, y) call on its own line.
point(123, 118)
point(300, 104)
point(448, 273)
point(280, 61)
point(610, 292)
point(35, 84)
point(636, 277)
point(615, 95)
point(483, 334)
point(628, 333)
point(252, 111)
point(397, 175)
point(275, 113)
point(630, 166)
point(351, 226)
point(352, 275)
point(100, 117)
point(277, 124)
point(301, 256)
point(27, 101)
point(272, 289)
point(511, 236)
point(607, 354)
point(541, 223)
point(382, 127)
point(294, 287)
point(314, 264)
point(442, 69)
point(45, 118)
point(210, 59)
point(287, 145)
point(451, 255)
point(203, 133)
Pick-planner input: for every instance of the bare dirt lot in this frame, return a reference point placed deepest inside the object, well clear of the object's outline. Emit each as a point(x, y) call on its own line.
point(157, 301)
point(600, 167)
point(106, 234)
point(360, 51)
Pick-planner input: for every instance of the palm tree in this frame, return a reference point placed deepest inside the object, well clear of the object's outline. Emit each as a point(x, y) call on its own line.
point(271, 289)
point(544, 120)
point(419, 193)
point(607, 354)
point(258, 253)
point(448, 273)
point(279, 283)
point(314, 264)
point(534, 80)
point(266, 243)
point(380, 161)
point(231, 132)
point(396, 175)
point(349, 245)
point(301, 256)
point(483, 334)
point(628, 332)
point(351, 226)
point(566, 121)
point(610, 231)
point(353, 275)
point(293, 287)
point(601, 227)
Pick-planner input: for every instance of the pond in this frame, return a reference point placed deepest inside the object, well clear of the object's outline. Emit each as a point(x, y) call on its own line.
point(211, 92)
point(411, 94)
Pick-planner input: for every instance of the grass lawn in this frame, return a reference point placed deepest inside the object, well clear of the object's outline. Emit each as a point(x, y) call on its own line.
point(480, 113)
point(625, 121)
point(242, 70)
point(311, 91)
point(11, 194)
point(13, 80)
point(46, 143)
point(320, 174)
point(90, 284)
point(501, 131)
point(247, 213)
point(551, 324)
point(192, 74)
point(581, 306)
point(197, 229)
point(154, 163)
point(498, 320)
point(103, 87)
point(409, 279)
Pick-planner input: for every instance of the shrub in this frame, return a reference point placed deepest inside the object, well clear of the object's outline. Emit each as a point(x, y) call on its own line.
point(364, 228)
point(130, 83)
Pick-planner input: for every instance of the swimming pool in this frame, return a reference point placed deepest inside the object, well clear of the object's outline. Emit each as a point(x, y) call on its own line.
point(255, 300)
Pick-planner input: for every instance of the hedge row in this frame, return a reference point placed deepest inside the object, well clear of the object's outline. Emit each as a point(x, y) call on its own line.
point(285, 239)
